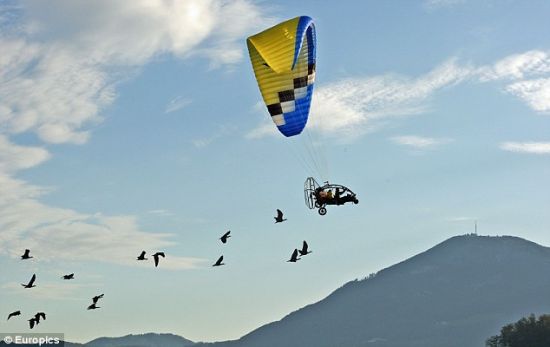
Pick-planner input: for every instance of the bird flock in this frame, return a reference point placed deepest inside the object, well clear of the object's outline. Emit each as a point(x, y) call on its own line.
point(41, 316)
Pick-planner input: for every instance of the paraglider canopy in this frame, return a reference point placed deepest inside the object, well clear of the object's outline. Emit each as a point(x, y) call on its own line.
point(283, 59)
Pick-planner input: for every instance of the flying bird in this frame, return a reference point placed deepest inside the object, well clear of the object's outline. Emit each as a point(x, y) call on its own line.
point(32, 322)
point(142, 256)
point(31, 282)
point(156, 256)
point(294, 257)
point(26, 255)
point(225, 236)
point(304, 250)
point(96, 298)
point(93, 306)
point(279, 217)
point(68, 277)
point(219, 262)
point(13, 314)
point(39, 315)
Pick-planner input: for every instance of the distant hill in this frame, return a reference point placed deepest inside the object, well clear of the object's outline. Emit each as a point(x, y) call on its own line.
point(144, 340)
point(456, 294)
point(141, 340)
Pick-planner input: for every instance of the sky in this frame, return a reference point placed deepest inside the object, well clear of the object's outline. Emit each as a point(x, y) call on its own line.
point(138, 125)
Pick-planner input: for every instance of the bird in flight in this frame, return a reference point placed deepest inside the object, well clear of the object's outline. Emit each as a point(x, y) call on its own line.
point(31, 282)
point(294, 257)
point(156, 257)
point(68, 277)
point(97, 297)
point(26, 255)
point(93, 306)
point(219, 262)
point(13, 314)
point(39, 315)
point(279, 218)
point(142, 256)
point(304, 250)
point(225, 236)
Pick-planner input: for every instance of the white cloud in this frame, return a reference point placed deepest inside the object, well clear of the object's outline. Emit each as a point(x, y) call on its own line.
point(14, 157)
point(529, 74)
point(46, 290)
point(536, 93)
point(60, 65)
point(222, 130)
point(177, 104)
point(419, 142)
point(518, 66)
point(69, 235)
point(527, 147)
point(161, 213)
point(60, 69)
point(354, 106)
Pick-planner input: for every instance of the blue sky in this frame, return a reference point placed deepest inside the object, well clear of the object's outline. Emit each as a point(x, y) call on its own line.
point(138, 125)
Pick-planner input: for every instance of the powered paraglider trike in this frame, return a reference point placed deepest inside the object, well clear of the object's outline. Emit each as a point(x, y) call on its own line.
point(319, 197)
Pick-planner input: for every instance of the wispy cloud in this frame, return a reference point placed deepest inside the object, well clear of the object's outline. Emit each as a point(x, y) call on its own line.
point(526, 147)
point(177, 104)
point(221, 131)
point(420, 142)
point(14, 157)
point(162, 213)
point(355, 106)
point(517, 66)
point(60, 66)
point(536, 93)
point(527, 75)
point(352, 107)
point(47, 290)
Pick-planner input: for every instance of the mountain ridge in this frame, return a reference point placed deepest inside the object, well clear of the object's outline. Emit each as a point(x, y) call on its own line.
point(455, 294)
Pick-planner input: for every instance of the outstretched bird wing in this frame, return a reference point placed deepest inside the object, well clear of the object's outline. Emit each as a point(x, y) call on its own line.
point(31, 282)
point(13, 314)
point(219, 261)
point(225, 236)
point(294, 255)
point(279, 214)
point(96, 298)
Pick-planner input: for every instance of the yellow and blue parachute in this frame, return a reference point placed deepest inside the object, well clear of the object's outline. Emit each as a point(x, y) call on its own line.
point(283, 58)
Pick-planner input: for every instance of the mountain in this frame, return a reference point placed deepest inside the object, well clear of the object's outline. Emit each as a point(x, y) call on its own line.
point(456, 294)
point(144, 340)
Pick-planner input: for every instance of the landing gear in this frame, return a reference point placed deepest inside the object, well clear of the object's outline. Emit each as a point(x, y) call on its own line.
point(322, 211)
